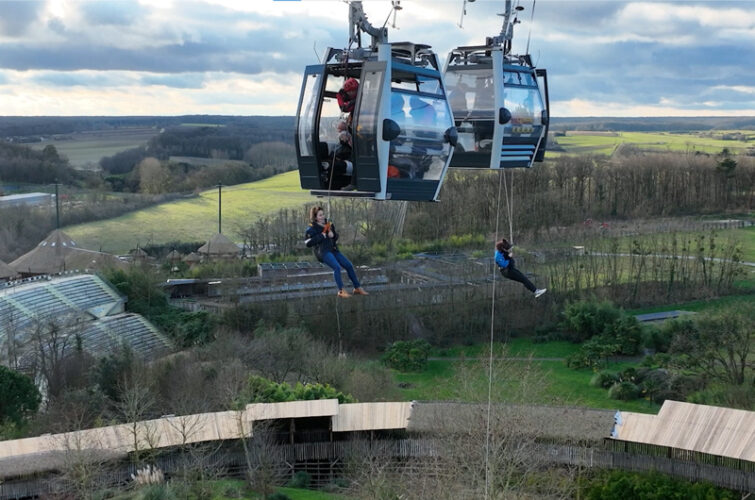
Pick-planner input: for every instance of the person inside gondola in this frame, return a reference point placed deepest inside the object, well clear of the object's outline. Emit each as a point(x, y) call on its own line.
point(340, 160)
point(342, 155)
point(504, 258)
point(322, 237)
point(347, 98)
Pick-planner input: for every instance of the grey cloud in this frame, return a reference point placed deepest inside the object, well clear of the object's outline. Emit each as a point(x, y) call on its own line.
point(75, 79)
point(56, 25)
point(115, 13)
point(17, 16)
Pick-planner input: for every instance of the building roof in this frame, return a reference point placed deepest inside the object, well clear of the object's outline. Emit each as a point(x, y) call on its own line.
point(6, 271)
point(219, 245)
point(84, 302)
point(714, 430)
point(58, 253)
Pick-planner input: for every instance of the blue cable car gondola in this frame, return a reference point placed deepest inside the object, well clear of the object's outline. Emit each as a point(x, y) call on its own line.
point(401, 127)
point(499, 102)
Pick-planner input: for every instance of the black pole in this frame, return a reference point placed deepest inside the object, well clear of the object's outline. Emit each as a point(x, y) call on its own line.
point(220, 194)
point(57, 207)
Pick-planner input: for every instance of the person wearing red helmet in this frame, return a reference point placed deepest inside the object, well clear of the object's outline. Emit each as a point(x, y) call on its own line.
point(347, 96)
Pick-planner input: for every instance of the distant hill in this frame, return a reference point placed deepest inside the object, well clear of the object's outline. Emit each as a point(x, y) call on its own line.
point(30, 126)
point(653, 124)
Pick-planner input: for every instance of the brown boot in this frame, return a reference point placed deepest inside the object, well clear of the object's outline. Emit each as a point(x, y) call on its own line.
point(343, 294)
point(360, 291)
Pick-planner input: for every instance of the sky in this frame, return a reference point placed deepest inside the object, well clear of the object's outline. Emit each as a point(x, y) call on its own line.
point(246, 57)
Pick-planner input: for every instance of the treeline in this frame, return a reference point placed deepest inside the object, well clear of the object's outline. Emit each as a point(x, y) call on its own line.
point(135, 171)
point(23, 227)
point(24, 164)
point(654, 124)
point(563, 192)
point(572, 189)
point(22, 126)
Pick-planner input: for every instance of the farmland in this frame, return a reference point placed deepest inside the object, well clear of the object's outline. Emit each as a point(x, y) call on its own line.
point(192, 219)
point(85, 149)
point(605, 143)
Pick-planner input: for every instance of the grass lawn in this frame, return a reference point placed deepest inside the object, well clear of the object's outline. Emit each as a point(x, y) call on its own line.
point(452, 379)
point(227, 489)
point(193, 219)
point(600, 143)
point(87, 149)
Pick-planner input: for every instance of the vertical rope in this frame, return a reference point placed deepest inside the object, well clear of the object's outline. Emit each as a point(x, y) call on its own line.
point(492, 333)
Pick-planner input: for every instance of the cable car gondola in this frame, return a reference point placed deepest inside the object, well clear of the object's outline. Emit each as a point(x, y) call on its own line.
point(401, 127)
point(500, 112)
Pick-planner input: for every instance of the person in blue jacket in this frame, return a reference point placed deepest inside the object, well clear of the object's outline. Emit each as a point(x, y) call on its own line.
point(504, 258)
point(321, 236)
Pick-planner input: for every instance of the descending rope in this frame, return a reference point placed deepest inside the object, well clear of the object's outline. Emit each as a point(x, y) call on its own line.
point(492, 330)
point(527, 50)
point(510, 206)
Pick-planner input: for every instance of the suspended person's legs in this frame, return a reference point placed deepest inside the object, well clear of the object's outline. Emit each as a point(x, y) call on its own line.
point(332, 262)
point(514, 274)
point(346, 264)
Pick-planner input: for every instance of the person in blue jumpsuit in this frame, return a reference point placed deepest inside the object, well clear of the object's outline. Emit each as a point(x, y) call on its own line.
point(321, 236)
point(504, 258)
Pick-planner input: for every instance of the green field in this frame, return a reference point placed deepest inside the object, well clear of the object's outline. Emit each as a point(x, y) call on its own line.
point(194, 219)
point(556, 383)
point(605, 144)
point(86, 149)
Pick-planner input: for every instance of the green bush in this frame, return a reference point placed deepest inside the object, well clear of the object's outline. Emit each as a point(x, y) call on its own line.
point(261, 390)
point(625, 485)
point(156, 492)
point(407, 355)
point(19, 397)
point(603, 379)
point(585, 319)
point(301, 480)
point(625, 391)
point(278, 496)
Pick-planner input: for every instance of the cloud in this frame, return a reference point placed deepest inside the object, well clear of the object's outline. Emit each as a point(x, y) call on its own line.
point(208, 56)
point(177, 81)
point(113, 12)
point(17, 16)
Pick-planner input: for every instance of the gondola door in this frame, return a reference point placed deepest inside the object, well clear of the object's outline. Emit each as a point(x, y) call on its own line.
point(519, 116)
point(367, 127)
point(307, 123)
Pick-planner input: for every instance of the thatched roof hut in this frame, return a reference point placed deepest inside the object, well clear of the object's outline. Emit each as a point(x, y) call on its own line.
point(219, 246)
point(6, 272)
point(58, 253)
point(193, 258)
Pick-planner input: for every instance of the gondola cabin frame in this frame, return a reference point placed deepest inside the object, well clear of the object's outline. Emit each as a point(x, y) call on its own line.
point(500, 105)
point(401, 127)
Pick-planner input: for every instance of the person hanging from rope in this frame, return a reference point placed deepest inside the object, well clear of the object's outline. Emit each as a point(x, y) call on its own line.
point(321, 236)
point(504, 258)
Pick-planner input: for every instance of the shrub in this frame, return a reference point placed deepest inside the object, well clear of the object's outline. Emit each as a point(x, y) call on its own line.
point(261, 390)
point(620, 485)
point(586, 319)
point(19, 397)
point(300, 480)
point(625, 391)
point(603, 379)
point(656, 385)
point(407, 355)
point(278, 496)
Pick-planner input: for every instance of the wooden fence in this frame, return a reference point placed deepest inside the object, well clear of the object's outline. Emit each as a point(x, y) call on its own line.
point(325, 461)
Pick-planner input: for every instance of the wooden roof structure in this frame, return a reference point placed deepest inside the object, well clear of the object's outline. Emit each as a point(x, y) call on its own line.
point(6, 272)
point(58, 253)
point(714, 430)
point(117, 440)
point(220, 246)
